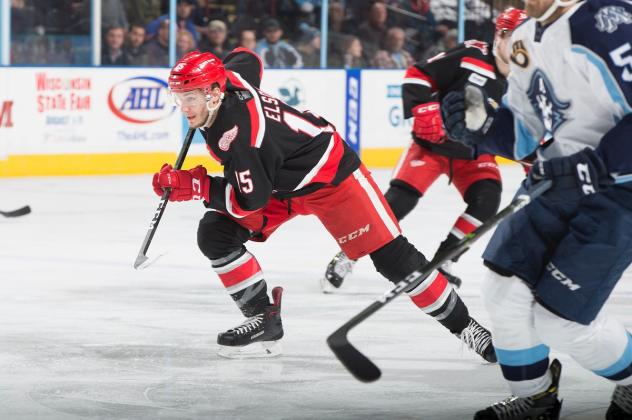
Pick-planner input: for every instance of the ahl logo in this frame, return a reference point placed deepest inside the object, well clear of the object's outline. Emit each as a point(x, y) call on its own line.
point(543, 100)
point(227, 138)
point(140, 100)
point(5, 114)
point(610, 17)
point(292, 93)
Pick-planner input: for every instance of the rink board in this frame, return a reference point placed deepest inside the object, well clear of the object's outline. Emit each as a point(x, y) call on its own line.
point(88, 121)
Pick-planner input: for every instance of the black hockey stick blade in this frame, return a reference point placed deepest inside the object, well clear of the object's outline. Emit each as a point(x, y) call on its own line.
point(142, 257)
point(17, 213)
point(360, 366)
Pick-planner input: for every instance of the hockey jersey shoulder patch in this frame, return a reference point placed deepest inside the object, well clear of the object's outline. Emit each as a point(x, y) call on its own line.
point(227, 138)
point(609, 18)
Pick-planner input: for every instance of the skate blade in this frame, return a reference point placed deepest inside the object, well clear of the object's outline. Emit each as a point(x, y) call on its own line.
point(257, 350)
point(326, 287)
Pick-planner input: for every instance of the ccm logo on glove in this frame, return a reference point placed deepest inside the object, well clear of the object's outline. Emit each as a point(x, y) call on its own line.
point(427, 124)
point(192, 184)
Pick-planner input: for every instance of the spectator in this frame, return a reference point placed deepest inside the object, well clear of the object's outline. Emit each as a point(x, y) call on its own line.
point(207, 11)
point(373, 31)
point(247, 39)
point(135, 48)
point(23, 18)
point(215, 41)
point(394, 56)
point(478, 17)
point(158, 48)
point(184, 43)
point(184, 20)
point(347, 54)
point(308, 45)
point(113, 14)
point(113, 54)
point(449, 40)
point(307, 11)
point(68, 17)
point(141, 12)
point(274, 52)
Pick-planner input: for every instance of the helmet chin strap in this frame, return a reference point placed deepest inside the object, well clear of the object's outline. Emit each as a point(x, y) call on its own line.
point(212, 111)
point(554, 6)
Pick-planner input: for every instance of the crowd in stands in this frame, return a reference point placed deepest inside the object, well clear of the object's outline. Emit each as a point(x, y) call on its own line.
point(389, 34)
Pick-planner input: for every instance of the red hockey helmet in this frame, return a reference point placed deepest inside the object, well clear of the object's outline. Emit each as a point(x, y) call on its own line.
point(197, 70)
point(509, 19)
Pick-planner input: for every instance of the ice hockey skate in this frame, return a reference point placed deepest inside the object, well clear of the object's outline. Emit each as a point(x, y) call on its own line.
point(542, 406)
point(621, 405)
point(446, 270)
point(258, 336)
point(338, 269)
point(479, 339)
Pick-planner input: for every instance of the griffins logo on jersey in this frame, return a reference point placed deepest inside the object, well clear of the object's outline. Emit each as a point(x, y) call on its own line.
point(227, 138)
point(548, 106)
point(610, 17)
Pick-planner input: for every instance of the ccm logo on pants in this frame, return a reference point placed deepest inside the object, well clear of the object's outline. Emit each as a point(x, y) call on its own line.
point(354, 234)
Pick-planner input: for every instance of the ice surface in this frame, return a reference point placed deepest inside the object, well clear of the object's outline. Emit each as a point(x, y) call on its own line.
point(83, 335)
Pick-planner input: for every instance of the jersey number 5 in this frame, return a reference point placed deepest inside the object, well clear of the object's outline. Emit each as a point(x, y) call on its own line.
point(620, 60)
point(244, 181)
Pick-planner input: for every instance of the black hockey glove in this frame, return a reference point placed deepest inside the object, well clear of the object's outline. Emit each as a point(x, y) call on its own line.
point(453, 114)
point(573, 176)
point(468, 115)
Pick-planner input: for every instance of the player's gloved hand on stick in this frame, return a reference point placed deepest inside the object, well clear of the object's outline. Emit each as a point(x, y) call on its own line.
point(573, 176)
point(192, 184)
point(427, 123)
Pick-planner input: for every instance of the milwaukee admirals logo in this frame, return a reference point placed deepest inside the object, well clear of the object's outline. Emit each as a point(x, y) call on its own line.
point(610, 17)
point(549, 107)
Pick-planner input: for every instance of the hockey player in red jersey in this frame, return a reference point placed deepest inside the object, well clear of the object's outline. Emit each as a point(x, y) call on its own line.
point(431, 153)
point(279, 163)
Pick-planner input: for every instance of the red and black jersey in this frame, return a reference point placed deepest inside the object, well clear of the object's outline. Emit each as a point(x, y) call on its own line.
point(470, 62)
point(268, 148)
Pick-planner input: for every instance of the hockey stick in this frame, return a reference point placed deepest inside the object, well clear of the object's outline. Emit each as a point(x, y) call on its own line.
point(16, 213)
point(142, 254)
point(357, 363)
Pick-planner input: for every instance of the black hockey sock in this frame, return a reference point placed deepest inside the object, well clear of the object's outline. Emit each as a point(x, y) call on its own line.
point(243, 279)
point(253, 299)
point(453, 314)
point(402, 198)
point(448, 243)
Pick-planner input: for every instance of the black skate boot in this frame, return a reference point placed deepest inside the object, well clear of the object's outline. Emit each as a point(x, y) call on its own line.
point(479, 339)
point(542, 406)
point(446, 270)
point(621, 405)
point(338, 268)
point(257, 336)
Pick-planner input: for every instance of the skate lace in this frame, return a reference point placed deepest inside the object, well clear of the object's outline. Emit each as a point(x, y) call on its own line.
point(343, 264)
point(623, 397)
point(476, 337)
point(251, 324)
point(511, 407)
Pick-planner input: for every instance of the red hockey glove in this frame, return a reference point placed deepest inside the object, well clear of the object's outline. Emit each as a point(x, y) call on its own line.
point(192, 184)
point(427, 124)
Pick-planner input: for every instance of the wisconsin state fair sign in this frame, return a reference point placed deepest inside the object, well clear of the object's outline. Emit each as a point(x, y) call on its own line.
point(140, 100)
